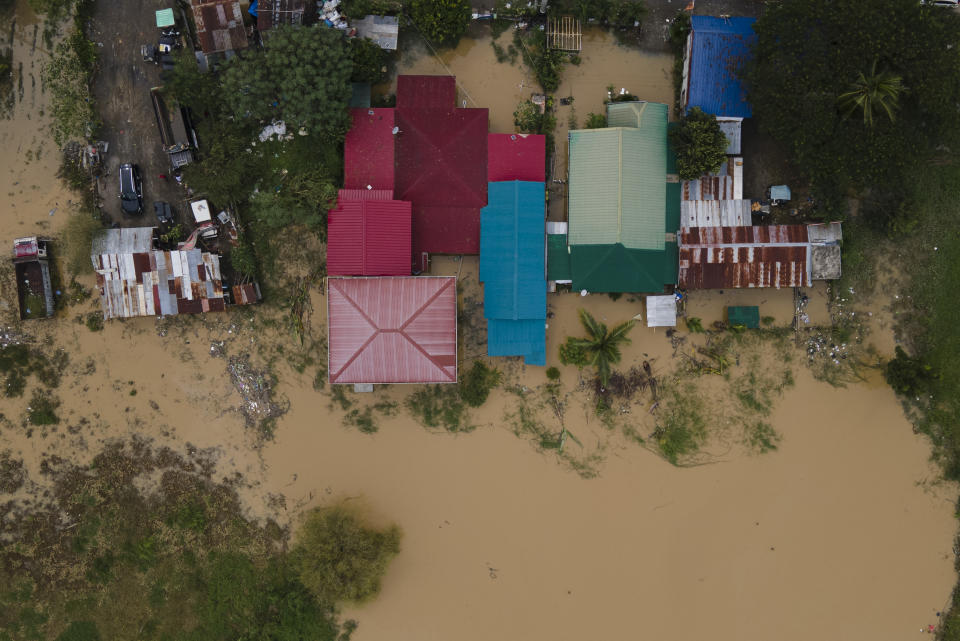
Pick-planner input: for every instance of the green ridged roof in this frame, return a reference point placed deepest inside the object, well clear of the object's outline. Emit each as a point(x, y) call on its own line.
point(617, 182)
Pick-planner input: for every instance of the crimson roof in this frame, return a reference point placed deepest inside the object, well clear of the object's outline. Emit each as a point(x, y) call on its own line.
point(392, 330)
point(441, 164)
point(730, 257)
point(367, 237)
point(369, 150)
point(516, 157)
point(426, 92)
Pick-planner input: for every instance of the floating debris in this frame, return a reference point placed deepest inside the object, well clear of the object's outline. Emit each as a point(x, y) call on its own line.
point(256, 387)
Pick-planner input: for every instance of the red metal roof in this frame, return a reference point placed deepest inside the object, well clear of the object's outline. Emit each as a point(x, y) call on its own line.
point(446, 230)
point(369, 238)
point(392, 330)
point(219, 25)
point(516, 157)
point(426, 92)
point(730, 257)
point(364, 194)
point(368, 154)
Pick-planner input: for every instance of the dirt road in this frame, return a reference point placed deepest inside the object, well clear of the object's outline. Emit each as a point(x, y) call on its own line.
point(122, 90)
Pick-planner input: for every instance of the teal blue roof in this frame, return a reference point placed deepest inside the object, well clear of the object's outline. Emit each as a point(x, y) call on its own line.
point(513, 270)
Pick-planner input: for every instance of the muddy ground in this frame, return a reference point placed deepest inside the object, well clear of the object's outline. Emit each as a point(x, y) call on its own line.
point(122, 89)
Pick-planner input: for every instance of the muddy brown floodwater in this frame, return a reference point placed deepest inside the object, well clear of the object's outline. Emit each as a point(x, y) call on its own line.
point(844, 532)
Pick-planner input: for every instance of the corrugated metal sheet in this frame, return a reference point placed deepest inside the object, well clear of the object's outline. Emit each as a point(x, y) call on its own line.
point(516, 157)
point(719, 48)
point(617, 183)
point(219, 25)
point(426, 92)
point(158, 283)
point(364, 194)
point(615, 268)
point(558, 258)
point(662, 311)
point(724, 184)
point(513, 267)
point(526, 338)
point(369, 238)
point(715, 213)
point(381, 29)
point(732, 128)
point(368, 150)
point(246, 294)
point(731, 257)
point(124, 240)
point(825, 233)
point(392, 330)
point(626, 114)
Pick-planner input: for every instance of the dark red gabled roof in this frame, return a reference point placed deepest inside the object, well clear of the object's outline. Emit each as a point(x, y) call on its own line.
point(441, 164)
point(516, 157)
point(369, 237)
point(368, 154)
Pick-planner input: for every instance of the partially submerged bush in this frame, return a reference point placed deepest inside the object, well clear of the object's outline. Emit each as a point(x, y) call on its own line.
point(476, 384)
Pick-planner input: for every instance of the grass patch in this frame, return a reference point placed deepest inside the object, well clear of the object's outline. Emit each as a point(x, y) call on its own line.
point(43, 409)
point(436, 406)
point(681, 424)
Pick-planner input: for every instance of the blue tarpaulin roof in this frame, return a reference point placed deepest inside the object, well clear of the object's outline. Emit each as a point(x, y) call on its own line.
point(253, 8)
point(719, 50)
point(513, 270)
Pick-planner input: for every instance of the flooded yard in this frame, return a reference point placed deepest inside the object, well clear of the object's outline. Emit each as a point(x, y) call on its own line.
point(842, 532)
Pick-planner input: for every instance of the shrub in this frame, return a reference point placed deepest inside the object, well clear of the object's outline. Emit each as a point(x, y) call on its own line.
point(43, 409)
point(476, 384)
point(553, 373)
point(339, 558)
point(908, 375)
point(441, 21)
point(595, 121)
point(572, 354)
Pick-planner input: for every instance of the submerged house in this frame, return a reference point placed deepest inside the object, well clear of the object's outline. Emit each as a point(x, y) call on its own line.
point(392, 330)
point(135, 278)
point(620, 235)
point(512, 247)
point(430, 153)
point(716, 52)
point(368, 234)
point(32, 270)
point(763, 256)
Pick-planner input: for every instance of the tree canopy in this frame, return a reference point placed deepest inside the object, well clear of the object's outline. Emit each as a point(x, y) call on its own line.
point(441, 21)
point(340, 558)
point(700, 145)
point(302, 77)
point(810, 52)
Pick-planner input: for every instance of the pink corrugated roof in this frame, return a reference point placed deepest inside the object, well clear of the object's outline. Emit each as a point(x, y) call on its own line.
point(364, 194)
point(392, 330)
point(426, 92)
point(368, 154)
point(369, 238)
point(516, 157)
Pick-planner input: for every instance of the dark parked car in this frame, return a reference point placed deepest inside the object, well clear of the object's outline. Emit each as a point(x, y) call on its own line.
point(163, 212)
point(131, 189)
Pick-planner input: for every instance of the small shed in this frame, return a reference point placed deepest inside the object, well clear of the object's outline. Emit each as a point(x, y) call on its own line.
point(746, 316)
point(662, 311)
point(564, 33)
point(165, 18)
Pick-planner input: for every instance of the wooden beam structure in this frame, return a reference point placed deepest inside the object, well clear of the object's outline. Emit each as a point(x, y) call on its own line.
point(564, 34)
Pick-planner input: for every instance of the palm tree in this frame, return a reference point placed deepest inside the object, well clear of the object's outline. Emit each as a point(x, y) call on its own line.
point(602, 346)
point(880, 91)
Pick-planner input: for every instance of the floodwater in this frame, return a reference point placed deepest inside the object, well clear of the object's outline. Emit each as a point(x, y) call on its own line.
point(843, 532)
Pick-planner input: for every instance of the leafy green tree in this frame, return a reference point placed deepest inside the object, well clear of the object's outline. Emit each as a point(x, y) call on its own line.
point(302, 77)
point(806, 54)
point(339, 558)
point(368, 60)
point(476, 384)
point(302, 198)
point(700, 144)
point(879, 91)
point(442, 22)
point(601, 347)
point(186, 84)
point(908, 375)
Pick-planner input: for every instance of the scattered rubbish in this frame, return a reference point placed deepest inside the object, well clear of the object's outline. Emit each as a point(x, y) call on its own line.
point(256, 388)
point(218, 349)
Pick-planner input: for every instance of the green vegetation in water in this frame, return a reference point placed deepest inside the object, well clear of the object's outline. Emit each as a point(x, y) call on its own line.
point(365, 418)
point(476, 384)
point(442, 22)
point(681, 424)
point(761, 437)
point(19, 362)
point(94, 321)
point(440, 406)
point(595, 121)
point(178, 562)
point(43, 409)
point(600, 349)
point(340, 558)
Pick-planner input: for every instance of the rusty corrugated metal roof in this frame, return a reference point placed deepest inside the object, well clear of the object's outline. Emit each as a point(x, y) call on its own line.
point(158, 283)
point(219, 25)
point(732, 257)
